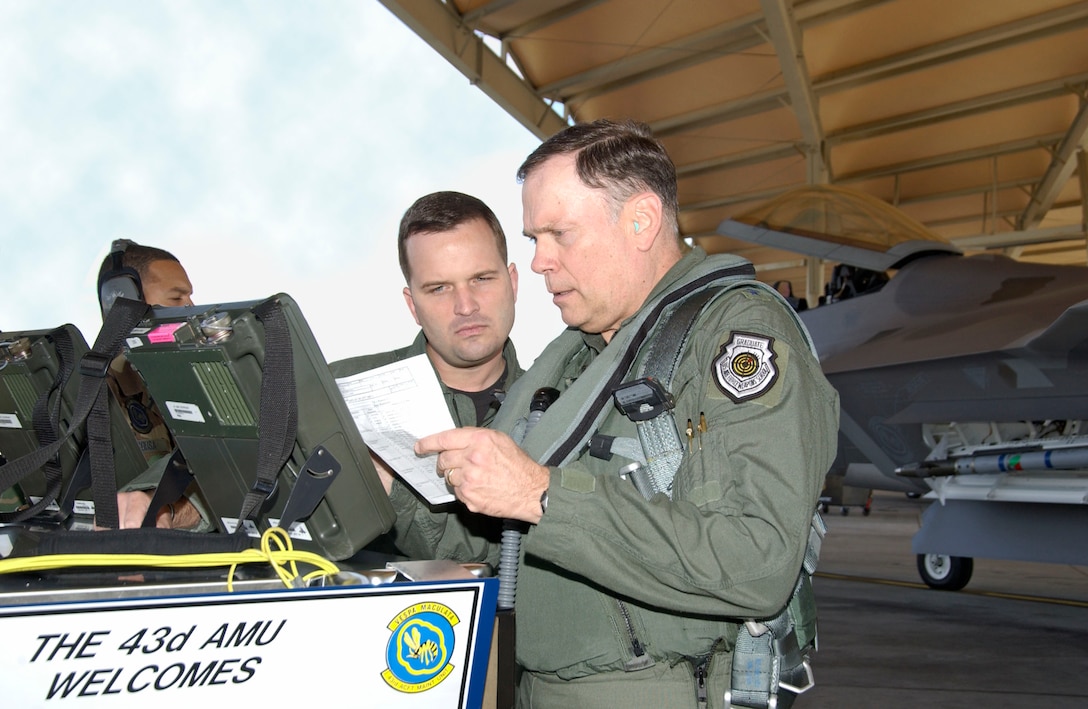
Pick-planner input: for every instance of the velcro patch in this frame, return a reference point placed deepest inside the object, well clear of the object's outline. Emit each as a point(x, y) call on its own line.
point(745, 368)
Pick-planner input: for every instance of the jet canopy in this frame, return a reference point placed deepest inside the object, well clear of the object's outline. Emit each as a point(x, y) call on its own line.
point(837, 224)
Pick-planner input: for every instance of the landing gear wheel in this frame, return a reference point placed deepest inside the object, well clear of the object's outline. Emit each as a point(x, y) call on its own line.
point(945, 573)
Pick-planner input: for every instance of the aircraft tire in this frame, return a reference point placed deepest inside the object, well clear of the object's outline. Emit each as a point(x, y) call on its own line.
point(945, 573)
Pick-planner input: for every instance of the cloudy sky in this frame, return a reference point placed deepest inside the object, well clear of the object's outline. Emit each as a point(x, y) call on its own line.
point(272, 146)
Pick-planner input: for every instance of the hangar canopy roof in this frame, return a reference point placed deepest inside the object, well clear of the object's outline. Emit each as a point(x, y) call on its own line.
point(968, 115)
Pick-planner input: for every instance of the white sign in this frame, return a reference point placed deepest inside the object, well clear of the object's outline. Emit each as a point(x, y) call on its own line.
point(400, 645)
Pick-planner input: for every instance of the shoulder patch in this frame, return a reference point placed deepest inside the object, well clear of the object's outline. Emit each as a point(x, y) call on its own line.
point(745, 367)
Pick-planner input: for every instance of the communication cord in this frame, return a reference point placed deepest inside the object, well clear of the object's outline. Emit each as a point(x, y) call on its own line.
point(510, 552)
point(276, 550)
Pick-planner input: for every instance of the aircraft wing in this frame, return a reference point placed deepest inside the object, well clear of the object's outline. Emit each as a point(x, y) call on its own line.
point(946, 307)
point(1068, 331)
point(974, 344)
point(962, 378)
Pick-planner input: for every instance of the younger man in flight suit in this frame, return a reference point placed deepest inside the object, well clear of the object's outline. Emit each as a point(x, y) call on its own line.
point(461, 291)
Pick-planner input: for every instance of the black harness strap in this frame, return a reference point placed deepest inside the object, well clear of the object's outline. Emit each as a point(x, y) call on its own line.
point(93, 368)
point(103, 475)
point(278, 415)
point(660, 439)
point(46, 422)
point(604, 395)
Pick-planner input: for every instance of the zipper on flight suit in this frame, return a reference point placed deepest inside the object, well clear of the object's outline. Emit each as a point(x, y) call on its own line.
point(701, 693)
point(641, 660)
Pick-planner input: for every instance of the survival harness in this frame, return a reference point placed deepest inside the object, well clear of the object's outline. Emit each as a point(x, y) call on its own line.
point(770, 662)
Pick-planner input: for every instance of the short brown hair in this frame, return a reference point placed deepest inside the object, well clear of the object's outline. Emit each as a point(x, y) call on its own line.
point(621, 158)
point(443, 211)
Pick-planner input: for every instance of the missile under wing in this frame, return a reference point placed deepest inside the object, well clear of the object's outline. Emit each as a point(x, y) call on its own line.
point(961, 377)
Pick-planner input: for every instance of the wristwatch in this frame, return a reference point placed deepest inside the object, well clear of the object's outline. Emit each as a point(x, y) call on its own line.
point(543, 502)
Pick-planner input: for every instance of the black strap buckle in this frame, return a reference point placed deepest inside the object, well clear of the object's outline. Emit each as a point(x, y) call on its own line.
point(264, 488)
point(600, 446)
point(94, 364)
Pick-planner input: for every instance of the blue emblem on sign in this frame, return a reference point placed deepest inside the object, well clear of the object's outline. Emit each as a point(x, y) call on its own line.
point(418, 653)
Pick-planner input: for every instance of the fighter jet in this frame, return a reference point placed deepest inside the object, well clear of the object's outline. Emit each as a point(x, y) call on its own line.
point(963, 378)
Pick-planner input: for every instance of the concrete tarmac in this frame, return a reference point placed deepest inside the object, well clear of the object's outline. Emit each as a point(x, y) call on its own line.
point(1015, 637)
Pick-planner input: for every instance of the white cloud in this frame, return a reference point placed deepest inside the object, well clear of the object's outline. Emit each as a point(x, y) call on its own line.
point(272, 146)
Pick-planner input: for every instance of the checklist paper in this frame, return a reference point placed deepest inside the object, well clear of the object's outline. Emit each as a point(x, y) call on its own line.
point(394, 406)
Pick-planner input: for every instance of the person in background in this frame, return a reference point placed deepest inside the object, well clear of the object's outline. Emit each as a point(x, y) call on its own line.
point(158, 279)
point(786, 289)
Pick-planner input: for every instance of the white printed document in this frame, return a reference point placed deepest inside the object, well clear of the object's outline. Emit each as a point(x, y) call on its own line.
point(394, 406)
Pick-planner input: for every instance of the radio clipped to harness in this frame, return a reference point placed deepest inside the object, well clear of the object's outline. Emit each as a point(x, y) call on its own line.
point(642, 399)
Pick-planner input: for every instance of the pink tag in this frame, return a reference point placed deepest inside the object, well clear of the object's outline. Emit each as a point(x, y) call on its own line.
point(163, 333)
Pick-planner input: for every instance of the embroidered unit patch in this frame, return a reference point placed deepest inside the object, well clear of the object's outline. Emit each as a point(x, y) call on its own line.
point(745, 368)
point(417, 654)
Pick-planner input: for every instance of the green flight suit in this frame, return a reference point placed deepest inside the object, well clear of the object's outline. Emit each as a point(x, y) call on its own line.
point(463, 410)
point(461, 406)
point(152, 436)
point(618, 596)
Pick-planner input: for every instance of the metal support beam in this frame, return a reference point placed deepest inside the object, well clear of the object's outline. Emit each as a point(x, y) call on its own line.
point(1039, 26)
point(474, 17)
point(785, 36)
point(814, 280)
point(980, 153)
point(437, 24)
point(548, 19)
point(1059, 171)
point(1082, 173)
point(1020, 238)
point(738, 35)
point(729, 38)
point(959, 109)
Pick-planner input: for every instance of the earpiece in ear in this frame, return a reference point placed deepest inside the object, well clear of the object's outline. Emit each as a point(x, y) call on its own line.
point(636, 227)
